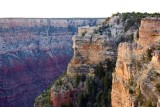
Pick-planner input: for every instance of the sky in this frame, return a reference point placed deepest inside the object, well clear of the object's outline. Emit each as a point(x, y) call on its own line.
point(73, 8)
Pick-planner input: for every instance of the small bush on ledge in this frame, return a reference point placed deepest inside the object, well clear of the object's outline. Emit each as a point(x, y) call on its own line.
point(158, 48)
point(84, 33)
point(149, 54)
point(158, 87)
point(148, 103)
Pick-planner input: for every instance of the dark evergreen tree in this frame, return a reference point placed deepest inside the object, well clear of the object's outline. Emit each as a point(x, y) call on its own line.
point(81, 99)
point(83, 77)
point(77, 79)
point(103, 101)
point(98, 98)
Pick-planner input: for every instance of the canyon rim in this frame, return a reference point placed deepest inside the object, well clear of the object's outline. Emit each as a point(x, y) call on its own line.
point(80, 62)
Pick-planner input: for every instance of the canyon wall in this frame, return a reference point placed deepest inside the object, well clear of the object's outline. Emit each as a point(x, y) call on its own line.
point(89, 51)
point(134, 43)
point(91, 45)
point(33, 53)
point(137, 69)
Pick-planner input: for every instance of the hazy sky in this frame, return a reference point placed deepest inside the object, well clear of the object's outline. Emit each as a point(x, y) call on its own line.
point(74, 8)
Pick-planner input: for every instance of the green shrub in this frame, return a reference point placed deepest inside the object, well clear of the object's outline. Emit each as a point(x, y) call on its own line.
point(44, 99)
point(77, 80)
point(103, 102)
point(149, 54)
point(148, 103)
point(158, 48)
point(139, 65)
point(67, 105)
point(89, 85)
point(101, 29)
point(83, 77)
point(139, 95)
point(83, 34)
point(137, 34)
point(118, 21)
point(158, 87)
point(99, 72)
point(131, 91)
point(98, 97)
point(80, 99)
point(131, 38)
point(95, 31)
point(106, 20)
point(130, 23)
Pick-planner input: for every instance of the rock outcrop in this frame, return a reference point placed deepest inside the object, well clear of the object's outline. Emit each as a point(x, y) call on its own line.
point(136, 76)
point(91, 46)
point(62, 99)
point(96, 44)
point(120, 94)
point(149, 32)
point(89, 51)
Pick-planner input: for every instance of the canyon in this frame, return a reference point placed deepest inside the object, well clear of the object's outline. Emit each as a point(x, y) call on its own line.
point(131, 42)
point(83, 62)
point(33, 53)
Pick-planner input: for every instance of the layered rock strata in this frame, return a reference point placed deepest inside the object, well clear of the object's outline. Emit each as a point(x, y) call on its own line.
point(91, 46)
point(33, 52)
point(136, 76)
point(95, 44)
point(89, 51)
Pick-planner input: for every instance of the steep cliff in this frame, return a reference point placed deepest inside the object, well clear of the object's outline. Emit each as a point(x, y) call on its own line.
point(120, 95)
point(33, 53)
point(89, 81)
point(92, 46)
point(136, 79)
point(95, 44)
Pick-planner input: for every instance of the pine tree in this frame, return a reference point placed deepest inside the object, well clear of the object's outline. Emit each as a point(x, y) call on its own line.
point(80, 99)
point(77, 79)
point(103, 103)
point(83, 77)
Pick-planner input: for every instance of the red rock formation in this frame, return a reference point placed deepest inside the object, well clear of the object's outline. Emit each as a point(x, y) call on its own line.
point(62, 99)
